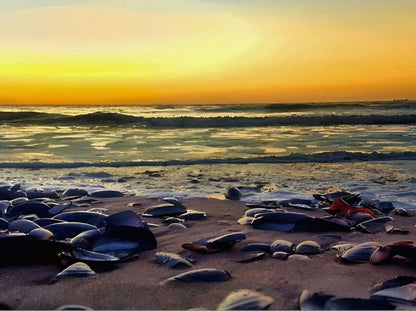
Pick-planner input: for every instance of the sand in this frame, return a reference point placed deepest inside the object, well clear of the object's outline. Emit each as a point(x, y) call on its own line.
point(137, 284)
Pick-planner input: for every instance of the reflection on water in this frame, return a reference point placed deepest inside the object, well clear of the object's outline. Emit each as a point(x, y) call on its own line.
point(76, 143)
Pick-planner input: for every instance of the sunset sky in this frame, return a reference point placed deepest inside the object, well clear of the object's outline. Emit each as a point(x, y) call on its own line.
point(206, 51)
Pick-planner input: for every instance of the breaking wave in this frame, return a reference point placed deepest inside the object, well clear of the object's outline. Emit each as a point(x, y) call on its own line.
point(118, 119)
point(323, 157)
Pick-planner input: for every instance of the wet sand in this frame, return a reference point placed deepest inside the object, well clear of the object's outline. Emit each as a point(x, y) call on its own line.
point(137, 284)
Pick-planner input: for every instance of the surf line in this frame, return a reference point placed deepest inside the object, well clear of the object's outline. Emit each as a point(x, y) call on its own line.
point(323, 157)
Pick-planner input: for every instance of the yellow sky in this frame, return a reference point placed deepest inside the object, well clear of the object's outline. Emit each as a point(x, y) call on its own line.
point(142, 52)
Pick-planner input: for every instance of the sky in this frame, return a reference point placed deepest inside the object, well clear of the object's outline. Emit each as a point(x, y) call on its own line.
point(206, 51)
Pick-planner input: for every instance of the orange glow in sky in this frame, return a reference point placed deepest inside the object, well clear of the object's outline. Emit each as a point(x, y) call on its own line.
point(145, 52)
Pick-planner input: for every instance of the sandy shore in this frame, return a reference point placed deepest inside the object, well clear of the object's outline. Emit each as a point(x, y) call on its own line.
point(136, 284)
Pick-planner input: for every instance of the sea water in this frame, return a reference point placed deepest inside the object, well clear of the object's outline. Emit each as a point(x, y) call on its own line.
point(271, 151)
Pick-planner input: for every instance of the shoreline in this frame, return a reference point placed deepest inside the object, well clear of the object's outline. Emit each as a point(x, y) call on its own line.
point(385, 181)
point(137, 284)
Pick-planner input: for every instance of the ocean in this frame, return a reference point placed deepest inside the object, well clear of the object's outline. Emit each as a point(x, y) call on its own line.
point(270, 151)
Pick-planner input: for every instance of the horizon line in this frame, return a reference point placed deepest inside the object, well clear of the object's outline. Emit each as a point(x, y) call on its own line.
point(216, 103)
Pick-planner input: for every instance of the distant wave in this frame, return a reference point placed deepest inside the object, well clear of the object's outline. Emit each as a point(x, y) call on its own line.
point(331, 106)
point(301, 107)
point(117, 119)
point(324, 157)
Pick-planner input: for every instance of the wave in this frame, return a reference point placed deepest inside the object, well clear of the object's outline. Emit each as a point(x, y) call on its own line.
point(323, 157)
point(301, 107)
point(118, 119)
point(383, 106)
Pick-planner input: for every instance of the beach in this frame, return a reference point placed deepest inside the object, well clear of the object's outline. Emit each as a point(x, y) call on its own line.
point(137, 284)
point(270, 152)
